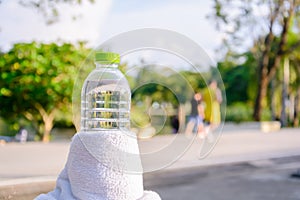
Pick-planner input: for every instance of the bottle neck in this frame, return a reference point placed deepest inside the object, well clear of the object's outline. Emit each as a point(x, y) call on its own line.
point(100, 65)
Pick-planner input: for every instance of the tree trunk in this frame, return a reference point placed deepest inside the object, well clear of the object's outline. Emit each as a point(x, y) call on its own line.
point(284, 99)
point(272, 98)
point(262, 92)
point(181, 117)
point(291, 107)
point(48, 125)
point(297, 109)
point(267, 69)
point(263, 71)
point(48, 121)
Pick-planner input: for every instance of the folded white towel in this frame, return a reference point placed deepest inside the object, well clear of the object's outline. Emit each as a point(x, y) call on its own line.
point(102, 166)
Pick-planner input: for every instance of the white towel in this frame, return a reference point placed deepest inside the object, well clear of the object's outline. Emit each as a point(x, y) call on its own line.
point(102, 166)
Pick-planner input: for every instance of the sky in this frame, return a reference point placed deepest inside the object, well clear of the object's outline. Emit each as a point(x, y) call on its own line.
point(107, 18)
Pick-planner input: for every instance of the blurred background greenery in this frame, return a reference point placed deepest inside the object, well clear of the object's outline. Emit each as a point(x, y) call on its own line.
point(262, 82)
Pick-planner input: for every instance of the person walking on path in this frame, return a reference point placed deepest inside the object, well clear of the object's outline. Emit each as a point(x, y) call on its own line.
point(195, 123)
point(213, 98)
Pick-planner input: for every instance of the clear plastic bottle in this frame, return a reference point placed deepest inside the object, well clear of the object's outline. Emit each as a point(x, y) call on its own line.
point(105, 96)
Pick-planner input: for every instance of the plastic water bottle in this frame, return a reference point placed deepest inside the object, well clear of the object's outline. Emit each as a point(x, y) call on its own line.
point(105, 96)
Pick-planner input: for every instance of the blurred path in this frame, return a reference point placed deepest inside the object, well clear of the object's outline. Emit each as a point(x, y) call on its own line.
point(245, 145)
point(32, 159)
point(47, 160)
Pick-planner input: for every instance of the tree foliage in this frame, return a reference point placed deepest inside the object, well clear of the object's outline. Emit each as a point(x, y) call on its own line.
point(37, 82)
point(239, 79)
point(263, 26)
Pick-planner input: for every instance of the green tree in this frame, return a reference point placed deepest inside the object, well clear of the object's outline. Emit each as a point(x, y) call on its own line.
point(238, 79)
point(265, 23)
point(37, 82)
point(294, 58)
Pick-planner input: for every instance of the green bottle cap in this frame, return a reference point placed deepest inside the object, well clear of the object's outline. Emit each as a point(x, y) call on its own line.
point(107, 57)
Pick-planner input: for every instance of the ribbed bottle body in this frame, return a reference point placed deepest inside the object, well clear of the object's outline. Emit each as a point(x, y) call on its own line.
point(105, 100)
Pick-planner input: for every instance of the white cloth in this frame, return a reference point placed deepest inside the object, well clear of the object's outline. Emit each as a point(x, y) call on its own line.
point(101, 166)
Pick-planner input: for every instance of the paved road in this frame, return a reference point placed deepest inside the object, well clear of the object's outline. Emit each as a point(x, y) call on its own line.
point(37, 159)
point(245, 164)
point(265, 179)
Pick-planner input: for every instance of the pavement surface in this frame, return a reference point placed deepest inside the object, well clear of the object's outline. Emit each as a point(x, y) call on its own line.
point(244, 164)
point(256, 180)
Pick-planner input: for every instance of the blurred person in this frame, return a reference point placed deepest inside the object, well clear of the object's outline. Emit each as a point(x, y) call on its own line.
point(175, 124)
point(212, 97)
point(22, 135)
point(201, 130)
point(195, 123)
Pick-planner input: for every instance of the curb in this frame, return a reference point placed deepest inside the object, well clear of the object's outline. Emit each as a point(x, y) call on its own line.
point(25, 189)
